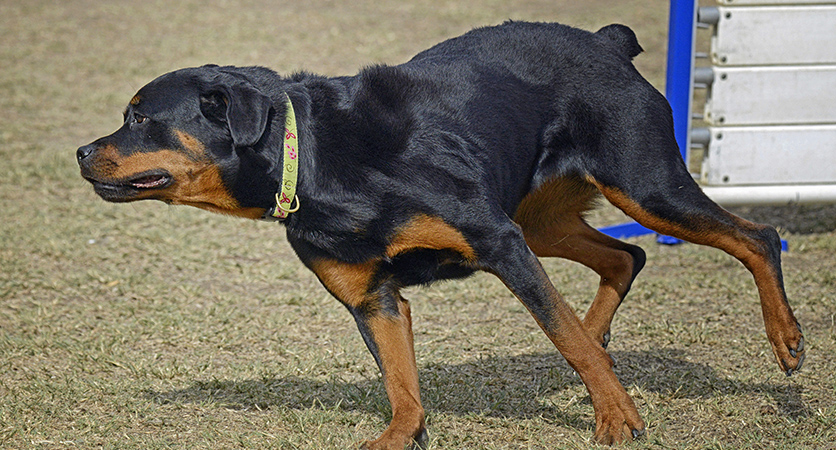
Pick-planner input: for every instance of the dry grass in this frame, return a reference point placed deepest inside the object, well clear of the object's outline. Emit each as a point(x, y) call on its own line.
point(146, 326)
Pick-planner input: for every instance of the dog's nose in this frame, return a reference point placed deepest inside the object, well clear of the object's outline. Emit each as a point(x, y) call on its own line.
point(84, 152)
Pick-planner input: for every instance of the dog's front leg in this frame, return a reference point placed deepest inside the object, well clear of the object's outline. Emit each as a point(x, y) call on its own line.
point(385, 322)
point(388, 334)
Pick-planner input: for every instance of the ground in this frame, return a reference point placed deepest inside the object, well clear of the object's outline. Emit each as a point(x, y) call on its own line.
point(149, 326)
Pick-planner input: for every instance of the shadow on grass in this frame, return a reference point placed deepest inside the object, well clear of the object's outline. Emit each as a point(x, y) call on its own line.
point(521, 386)
point(491, 386)
point(669, 374)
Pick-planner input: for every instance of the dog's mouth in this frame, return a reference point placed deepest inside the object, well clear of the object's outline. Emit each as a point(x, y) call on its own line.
point(149, 181)
point(131, 188)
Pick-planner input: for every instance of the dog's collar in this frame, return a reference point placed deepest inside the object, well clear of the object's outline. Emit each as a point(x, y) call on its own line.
point(287, 202)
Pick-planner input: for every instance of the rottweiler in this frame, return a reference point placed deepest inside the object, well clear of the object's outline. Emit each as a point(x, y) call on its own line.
point(481, 153)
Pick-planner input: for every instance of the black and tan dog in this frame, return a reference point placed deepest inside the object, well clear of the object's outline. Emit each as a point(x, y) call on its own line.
point(481, 153)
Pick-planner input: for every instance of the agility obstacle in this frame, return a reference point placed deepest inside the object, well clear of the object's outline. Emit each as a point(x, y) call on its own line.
point(767, 130)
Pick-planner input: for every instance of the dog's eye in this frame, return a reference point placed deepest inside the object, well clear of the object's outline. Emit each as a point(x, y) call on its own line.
point(138, 118)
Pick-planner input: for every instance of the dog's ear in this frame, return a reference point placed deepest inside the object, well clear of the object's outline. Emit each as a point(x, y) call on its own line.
point(241, 106)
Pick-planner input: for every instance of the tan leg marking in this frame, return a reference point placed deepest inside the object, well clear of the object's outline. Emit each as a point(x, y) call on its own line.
point(552, 222)
point(576, 241)
point(391, 342)
point(394, 339)
point(350, 283)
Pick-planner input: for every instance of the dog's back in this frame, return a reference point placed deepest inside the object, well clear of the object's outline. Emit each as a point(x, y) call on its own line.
point(532, 101)
point(536, 51)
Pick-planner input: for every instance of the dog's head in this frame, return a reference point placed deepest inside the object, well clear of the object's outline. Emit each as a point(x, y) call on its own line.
point(194, 137)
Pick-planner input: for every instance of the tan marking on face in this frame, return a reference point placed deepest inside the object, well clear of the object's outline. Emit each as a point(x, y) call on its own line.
point(426, 232)
point(196, 180)
point(348, 282)
point(135, 100)
point(191, 144)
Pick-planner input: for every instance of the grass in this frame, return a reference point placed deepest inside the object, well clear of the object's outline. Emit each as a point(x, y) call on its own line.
point(147, 326)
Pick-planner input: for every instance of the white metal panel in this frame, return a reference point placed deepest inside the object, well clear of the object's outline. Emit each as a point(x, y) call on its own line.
point(771, 155)
point(754, 35)
point(772, 95)
point(772, 195)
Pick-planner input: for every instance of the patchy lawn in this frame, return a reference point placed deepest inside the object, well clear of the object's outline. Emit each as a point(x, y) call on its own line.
point(147, 326)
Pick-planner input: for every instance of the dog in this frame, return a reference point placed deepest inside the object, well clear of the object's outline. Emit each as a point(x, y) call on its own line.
point(481, 153)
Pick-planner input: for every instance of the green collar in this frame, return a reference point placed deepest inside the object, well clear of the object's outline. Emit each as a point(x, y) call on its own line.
point(287, 201)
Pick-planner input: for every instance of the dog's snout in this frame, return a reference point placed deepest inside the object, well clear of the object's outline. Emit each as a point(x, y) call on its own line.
point(83, 152)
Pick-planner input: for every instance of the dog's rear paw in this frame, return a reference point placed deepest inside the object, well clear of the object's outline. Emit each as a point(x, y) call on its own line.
point(789, 350)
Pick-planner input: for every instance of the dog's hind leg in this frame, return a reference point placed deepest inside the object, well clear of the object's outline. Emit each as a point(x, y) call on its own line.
point(655, 188)
point(553, 225)
point(616, 262)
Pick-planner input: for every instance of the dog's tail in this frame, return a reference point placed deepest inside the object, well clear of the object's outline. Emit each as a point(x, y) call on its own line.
point(623, 38)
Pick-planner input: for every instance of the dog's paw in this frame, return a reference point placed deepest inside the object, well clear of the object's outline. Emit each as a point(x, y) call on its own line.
point(788, 347)
point(618, 423)
point(611, 434)
point(389, 442)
